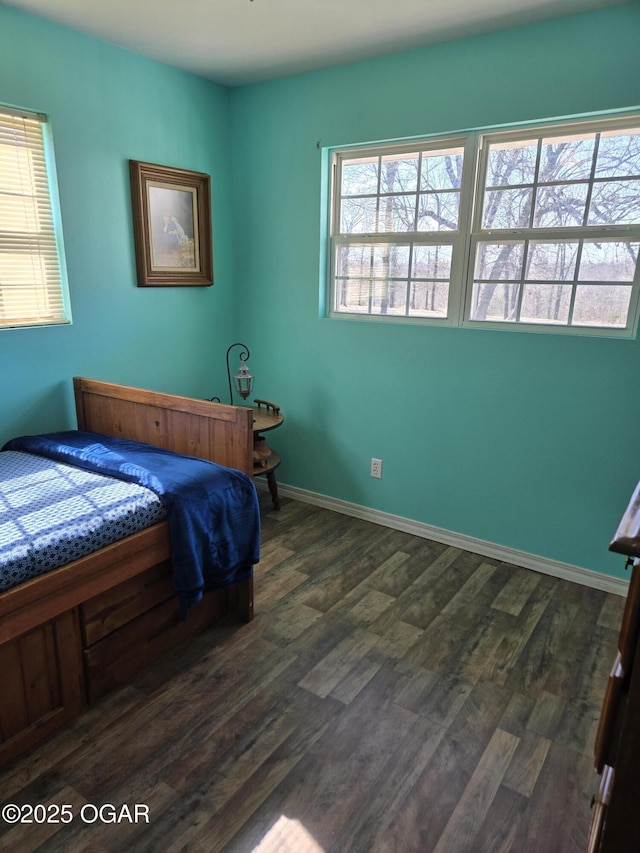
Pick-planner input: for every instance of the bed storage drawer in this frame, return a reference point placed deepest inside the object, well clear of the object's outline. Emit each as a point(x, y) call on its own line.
point(141, 636)
point(42, 682)
point(119, 605)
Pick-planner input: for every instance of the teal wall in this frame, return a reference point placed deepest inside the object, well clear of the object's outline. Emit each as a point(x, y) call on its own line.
point(107, 106)
point(527, 440)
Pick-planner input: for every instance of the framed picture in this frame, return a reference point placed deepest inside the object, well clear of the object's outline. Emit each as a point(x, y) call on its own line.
point(171, 226)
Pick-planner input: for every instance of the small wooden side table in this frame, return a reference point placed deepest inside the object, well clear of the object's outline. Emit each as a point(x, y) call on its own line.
point(267, 416)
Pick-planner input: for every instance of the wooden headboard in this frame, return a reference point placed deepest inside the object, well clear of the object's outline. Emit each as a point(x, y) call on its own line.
point(213, 431)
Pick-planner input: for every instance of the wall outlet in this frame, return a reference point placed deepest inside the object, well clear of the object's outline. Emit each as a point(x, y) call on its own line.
point(376, 468)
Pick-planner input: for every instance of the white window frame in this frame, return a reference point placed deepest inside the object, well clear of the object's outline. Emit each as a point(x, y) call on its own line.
point(471, 234)
point(33, 279)
point(456, 239)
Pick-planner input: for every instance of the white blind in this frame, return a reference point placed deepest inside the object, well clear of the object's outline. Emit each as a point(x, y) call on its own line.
point(31, 287)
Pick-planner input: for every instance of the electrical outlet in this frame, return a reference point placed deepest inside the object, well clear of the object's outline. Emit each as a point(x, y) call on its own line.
point(376, 468)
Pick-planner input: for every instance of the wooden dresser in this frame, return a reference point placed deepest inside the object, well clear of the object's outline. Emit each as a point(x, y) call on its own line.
point(615, 824)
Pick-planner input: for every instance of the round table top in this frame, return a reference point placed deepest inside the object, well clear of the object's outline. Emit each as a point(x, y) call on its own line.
point(265, 419)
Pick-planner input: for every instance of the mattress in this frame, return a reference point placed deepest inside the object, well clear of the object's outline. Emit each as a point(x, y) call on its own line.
point(52, 513)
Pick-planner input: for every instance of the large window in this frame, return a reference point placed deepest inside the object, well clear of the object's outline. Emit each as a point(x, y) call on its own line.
point(32, 279)
point(535, 228)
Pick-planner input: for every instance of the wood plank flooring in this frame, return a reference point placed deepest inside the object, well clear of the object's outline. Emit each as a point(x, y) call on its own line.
point(392, 695)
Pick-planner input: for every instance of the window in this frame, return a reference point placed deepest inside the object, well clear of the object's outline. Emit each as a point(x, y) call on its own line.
point(536, 229)
point(32, 279)
point(397, 228)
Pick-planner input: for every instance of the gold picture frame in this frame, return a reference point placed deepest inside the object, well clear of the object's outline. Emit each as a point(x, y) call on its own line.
point(171, 226)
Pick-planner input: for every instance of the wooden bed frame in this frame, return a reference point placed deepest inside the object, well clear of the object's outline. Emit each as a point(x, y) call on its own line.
point(69, 636)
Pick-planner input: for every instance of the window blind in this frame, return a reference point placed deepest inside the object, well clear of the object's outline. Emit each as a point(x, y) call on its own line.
point(31, 284)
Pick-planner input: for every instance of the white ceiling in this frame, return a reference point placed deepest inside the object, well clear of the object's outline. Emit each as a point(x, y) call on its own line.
point(243, 41)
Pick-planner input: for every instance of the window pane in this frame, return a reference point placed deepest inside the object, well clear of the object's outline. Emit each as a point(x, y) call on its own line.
point(358, 215)
point(389, 297)
point(608, 261)
point(615, 203)
point(498, 261)
point(438, 211)
point(601, 305)
point(619, 154)
point(507, 208)
point(497, 302)
point(353, 261)
point(552, 261)
point(511, 163)
point(352, 295)
point(369, 260)
point(432, 261)
point(440, 170)
point(399, 173)
point(428, 299)
point(546, 303)
point(391, 261)
point(360, 176)
point(560, 206)
point(397, 214)
point(568, 159)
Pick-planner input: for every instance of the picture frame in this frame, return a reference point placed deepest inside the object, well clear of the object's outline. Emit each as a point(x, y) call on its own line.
point(171, 226)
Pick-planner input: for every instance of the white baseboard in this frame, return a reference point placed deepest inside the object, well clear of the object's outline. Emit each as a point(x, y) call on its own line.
point(563, 571)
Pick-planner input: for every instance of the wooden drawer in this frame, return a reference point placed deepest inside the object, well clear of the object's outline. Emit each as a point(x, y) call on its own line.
point(118, 656)
point(119, 605)
point(628, 639)
point(610, 717)
point(42, 684)
point(599, 813)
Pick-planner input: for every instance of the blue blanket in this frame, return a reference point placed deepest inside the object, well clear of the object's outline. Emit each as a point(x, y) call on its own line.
point(212, 511)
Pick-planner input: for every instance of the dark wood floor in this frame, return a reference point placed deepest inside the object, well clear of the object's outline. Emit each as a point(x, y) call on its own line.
point(392, 694)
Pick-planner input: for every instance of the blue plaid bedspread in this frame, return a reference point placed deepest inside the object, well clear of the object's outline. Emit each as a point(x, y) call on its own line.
point(212, 511)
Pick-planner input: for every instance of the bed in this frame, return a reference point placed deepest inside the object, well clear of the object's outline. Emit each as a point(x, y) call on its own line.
point(72, 634)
